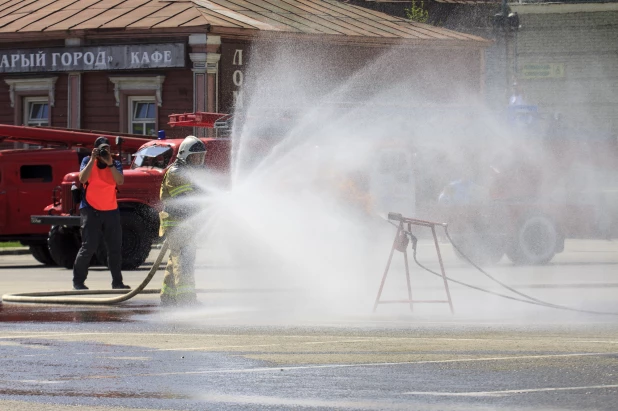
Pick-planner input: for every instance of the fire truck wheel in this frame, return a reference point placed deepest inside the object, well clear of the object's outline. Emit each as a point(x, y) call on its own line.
point(136, 240)
point(136, 243)
point(40, 252)
point(63, 243)
point(535, 241)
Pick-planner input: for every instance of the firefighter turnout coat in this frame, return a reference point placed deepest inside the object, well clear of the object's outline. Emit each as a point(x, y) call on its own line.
point(178, 282)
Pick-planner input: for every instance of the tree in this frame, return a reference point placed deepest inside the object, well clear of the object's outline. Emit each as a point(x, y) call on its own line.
point(417, 13)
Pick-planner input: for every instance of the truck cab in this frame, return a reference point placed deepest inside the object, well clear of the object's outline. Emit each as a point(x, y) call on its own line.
point(138, 201)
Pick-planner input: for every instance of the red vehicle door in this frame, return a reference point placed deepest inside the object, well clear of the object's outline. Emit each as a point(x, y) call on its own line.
point(3, 199)
point(36, 181)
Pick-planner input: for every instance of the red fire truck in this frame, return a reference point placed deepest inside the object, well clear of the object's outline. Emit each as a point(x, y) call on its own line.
point(534, 192)
point(29, 178)
point(138, 197)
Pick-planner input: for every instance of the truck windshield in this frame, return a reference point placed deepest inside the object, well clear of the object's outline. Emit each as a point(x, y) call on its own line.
point(153, 156)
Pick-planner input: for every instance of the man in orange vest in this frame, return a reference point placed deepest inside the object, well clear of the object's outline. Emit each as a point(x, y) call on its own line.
point(100, 175)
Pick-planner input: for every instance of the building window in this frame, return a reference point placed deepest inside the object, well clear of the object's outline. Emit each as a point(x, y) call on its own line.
point(142, 115)
point(36, 111)
point(139, 99)
point(32, 100)
point(36, 174)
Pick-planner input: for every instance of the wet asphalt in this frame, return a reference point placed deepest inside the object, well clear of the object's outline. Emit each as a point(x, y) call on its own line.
point(246, 350)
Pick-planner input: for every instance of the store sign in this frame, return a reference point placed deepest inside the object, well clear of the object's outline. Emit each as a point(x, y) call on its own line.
point(542, 70)
point(98, 58)
point(233, 66)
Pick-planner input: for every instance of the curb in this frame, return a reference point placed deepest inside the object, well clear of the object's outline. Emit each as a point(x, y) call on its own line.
point(14, 251)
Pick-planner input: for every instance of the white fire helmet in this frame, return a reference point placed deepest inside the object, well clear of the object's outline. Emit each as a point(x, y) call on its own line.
point(191, 145)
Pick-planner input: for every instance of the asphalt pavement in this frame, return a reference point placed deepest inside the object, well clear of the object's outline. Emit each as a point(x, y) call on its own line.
point(261, 342)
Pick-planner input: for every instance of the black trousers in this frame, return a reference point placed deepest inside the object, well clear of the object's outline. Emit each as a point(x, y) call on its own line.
point(94, 223)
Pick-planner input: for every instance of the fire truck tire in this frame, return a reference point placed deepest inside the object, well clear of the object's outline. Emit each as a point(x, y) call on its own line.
point(136, 242)
point(535, 241)
point(40, 252)
point(63, 243)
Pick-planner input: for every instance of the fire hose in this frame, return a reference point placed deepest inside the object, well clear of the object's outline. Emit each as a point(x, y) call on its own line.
point(526, 298)
point(66, 297)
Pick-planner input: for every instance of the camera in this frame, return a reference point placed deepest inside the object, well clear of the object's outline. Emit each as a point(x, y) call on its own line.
point(104, 152)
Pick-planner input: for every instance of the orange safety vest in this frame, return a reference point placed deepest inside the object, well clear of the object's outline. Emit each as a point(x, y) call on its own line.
point(101, 189)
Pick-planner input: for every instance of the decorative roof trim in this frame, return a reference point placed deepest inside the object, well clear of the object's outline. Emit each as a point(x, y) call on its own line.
point(46, 84)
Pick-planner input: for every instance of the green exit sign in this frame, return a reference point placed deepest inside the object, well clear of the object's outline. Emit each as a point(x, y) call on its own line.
point(542, 70)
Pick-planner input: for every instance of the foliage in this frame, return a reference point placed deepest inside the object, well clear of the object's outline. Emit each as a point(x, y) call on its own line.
point(6, 244)
point(417, 13)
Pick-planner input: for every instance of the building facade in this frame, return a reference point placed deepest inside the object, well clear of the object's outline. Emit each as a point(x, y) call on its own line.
point(126, 66)
point(567, 63)
point(562, 56)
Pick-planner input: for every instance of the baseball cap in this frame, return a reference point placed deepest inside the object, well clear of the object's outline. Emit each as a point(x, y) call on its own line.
point(101, 141)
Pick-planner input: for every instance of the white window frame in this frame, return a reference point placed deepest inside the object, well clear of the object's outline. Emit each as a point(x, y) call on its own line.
point(131, 100)
point(26, 111)
point(130, 86)
point(154, 83)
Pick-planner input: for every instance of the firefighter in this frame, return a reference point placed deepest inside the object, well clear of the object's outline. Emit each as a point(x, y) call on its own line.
point(176, 192)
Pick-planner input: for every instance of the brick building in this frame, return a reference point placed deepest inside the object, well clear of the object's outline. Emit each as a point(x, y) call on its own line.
point(125, 65)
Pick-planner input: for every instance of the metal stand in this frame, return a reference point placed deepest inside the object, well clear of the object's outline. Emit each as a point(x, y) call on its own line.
point(399, 245)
